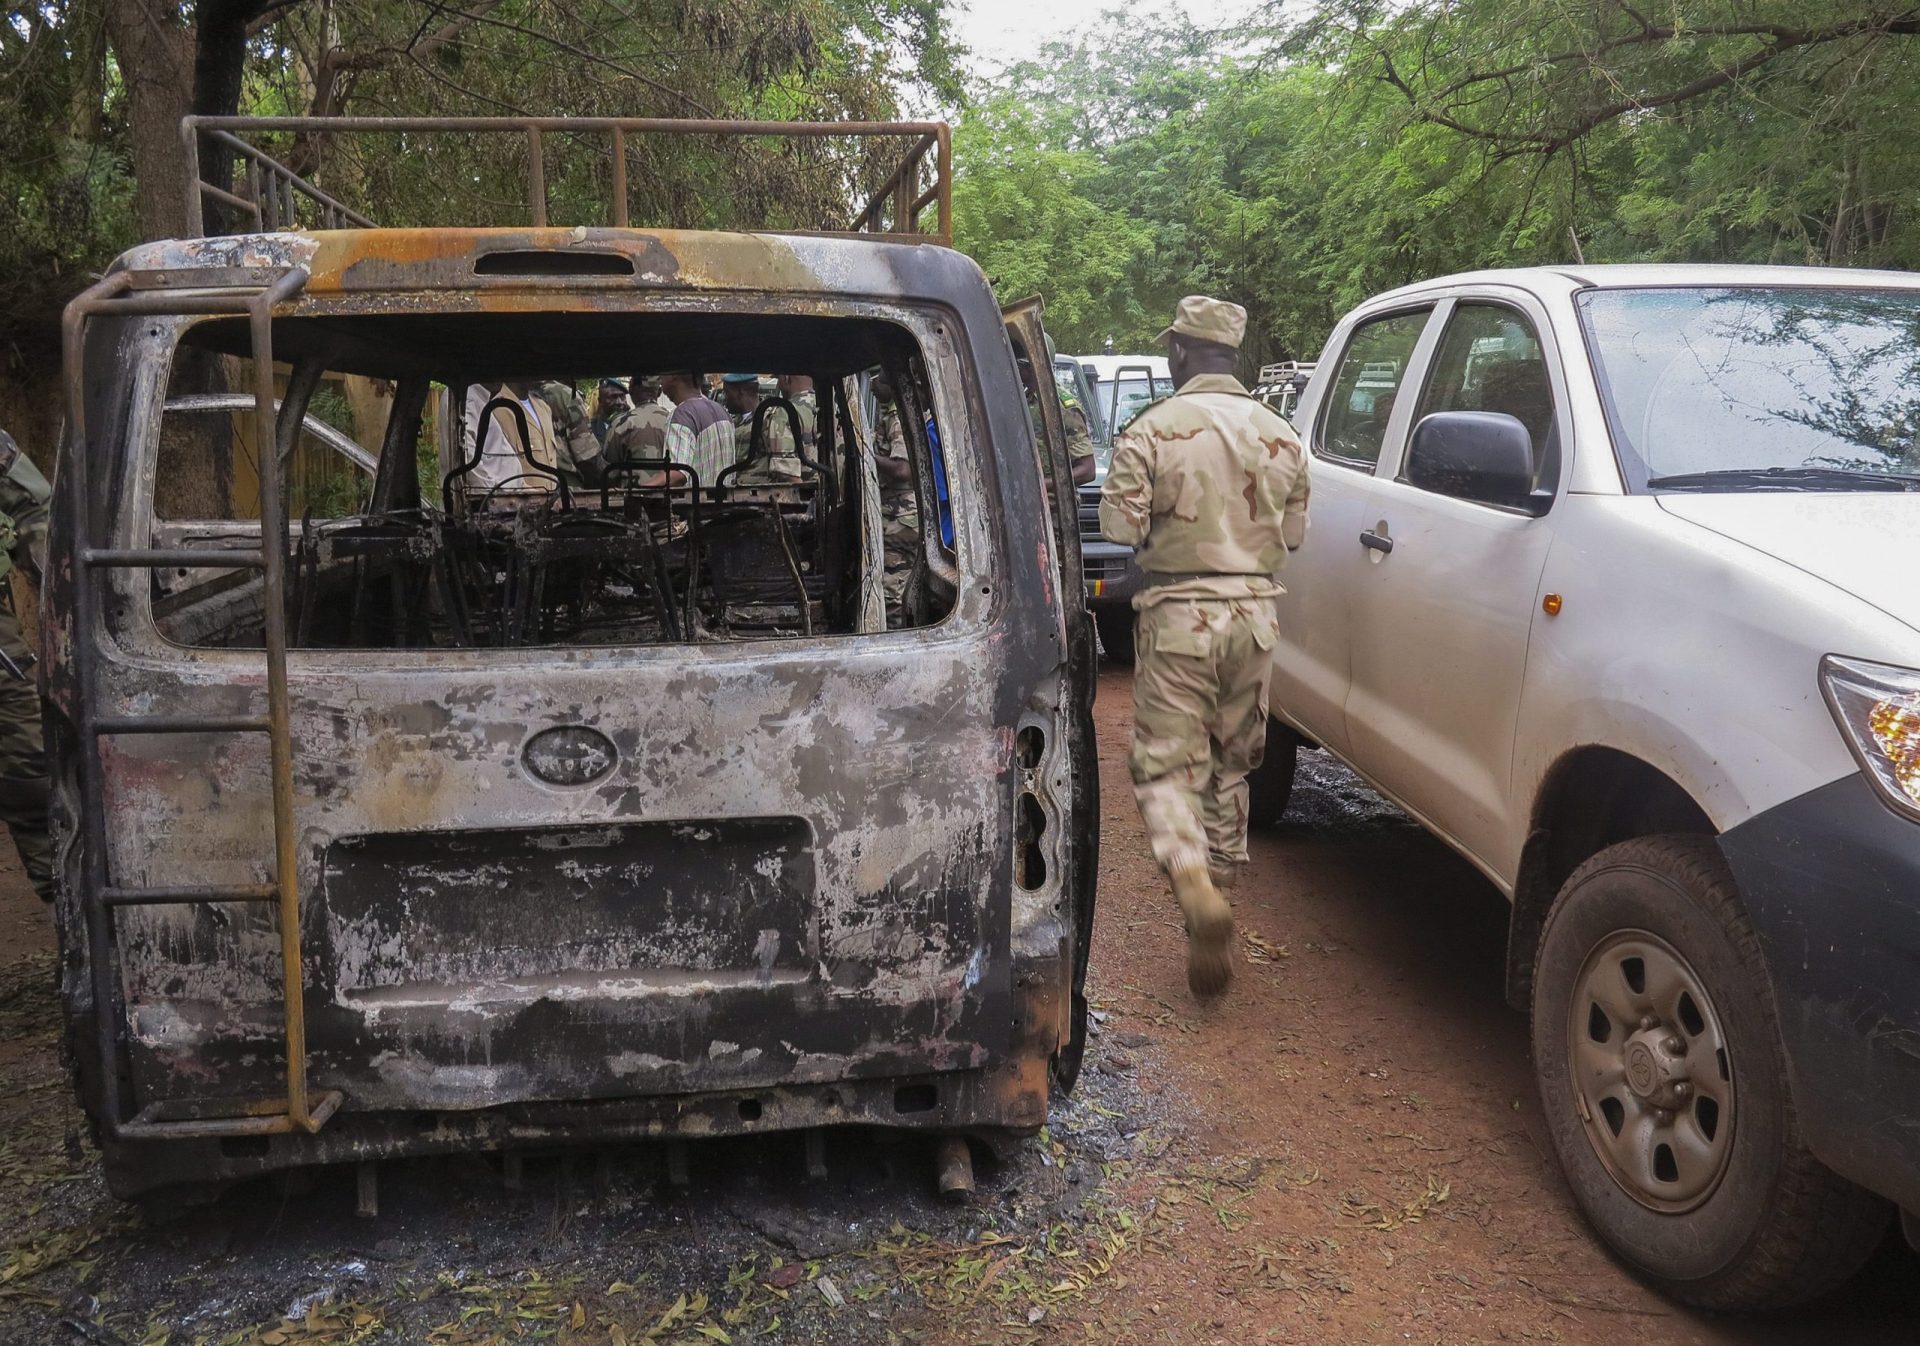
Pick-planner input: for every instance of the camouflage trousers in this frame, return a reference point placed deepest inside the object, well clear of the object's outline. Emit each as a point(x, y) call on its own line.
point(1199, 724)
point(23, 781)
point(900, 537)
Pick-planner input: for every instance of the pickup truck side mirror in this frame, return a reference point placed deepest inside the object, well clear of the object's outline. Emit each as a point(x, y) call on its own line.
point(1483, 456)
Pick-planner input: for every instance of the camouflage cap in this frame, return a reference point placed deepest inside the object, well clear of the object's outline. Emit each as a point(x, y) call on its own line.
point(1207, 319)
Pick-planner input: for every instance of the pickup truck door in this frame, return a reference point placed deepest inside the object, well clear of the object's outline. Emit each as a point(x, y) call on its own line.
point(1444, 606)
point(1344, 428)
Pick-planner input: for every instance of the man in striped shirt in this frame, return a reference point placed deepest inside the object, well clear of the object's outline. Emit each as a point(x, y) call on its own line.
point(699, 433)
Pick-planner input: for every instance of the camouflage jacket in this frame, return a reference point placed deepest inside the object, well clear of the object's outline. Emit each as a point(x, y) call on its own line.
point(1209, 486)
point(1079, 442)
point(572, 427)
point(777, 462)
point(899, 502)
point(638, 434)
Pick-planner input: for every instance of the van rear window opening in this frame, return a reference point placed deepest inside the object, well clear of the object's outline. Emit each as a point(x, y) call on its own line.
point(405, 530)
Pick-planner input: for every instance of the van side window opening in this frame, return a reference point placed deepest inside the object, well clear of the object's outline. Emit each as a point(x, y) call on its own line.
point(1371, 374)
point(434, 499)
point(1490, 360)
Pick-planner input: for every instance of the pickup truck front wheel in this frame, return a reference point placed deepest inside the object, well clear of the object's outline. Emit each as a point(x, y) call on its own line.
point(1657, 1050)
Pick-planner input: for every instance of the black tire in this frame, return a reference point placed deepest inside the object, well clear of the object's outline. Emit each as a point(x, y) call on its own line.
point(1774, 1227)
point(1116, 633)
point(1270, 785)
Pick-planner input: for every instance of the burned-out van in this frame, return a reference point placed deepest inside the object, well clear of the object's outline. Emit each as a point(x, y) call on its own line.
point(408, 807)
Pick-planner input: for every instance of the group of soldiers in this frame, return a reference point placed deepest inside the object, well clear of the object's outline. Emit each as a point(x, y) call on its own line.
point(531, 434)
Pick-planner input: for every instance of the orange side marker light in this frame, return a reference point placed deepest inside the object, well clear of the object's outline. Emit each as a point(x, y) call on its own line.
point(1551, 605)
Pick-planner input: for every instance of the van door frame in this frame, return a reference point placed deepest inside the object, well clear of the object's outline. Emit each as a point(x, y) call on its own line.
point(1061, 499)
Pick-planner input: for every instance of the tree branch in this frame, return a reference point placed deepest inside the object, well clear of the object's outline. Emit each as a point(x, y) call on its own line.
point(1441, 106)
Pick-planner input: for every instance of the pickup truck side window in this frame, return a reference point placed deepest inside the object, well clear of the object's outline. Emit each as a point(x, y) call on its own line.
point(1354, 420)
point(1490, 360)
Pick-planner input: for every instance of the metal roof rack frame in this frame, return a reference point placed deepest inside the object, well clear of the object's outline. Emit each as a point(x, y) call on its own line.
point(273, 191)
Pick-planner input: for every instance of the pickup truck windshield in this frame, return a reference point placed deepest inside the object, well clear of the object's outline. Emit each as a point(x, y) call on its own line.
point(1760, 388)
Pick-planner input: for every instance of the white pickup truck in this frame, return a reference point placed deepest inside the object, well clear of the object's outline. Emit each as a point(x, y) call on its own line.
point(1613, 583)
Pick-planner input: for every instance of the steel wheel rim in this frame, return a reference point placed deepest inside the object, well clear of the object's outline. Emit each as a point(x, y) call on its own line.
point(1651, 1074)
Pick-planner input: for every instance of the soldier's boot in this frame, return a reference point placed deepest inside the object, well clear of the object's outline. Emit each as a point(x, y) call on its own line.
point(1209, 923)
point(1225, 874)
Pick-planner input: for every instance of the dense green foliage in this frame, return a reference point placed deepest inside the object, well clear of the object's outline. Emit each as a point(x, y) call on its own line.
point(1298, 169)
point(91, 92)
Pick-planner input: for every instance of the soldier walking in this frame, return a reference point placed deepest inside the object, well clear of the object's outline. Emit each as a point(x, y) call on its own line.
point(1210, 489)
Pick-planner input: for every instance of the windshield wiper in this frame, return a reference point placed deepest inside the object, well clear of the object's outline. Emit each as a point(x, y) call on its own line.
point(1786, 479)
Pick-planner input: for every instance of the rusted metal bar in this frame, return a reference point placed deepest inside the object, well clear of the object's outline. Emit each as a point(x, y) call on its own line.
point(273, 544)
point(233, 199)
point(159, 897)
point(905, 203)
point(197, 126)
point(903, 190)
point(190, 153)
point(536, 177)
point(257, 1119)
point(161, 557)
point(943, 180)
point(620, 217)
point(78, 500)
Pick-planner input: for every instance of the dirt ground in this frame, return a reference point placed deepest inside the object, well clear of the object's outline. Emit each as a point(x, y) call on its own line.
point(1347, 1149)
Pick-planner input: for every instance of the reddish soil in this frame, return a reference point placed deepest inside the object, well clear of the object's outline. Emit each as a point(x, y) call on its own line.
point(1346, 1149)
point(1367, 1068)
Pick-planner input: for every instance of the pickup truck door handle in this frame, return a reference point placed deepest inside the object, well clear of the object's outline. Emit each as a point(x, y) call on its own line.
point(1376, 542)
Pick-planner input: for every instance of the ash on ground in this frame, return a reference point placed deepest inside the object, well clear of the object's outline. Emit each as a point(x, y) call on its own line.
point(594, 1245)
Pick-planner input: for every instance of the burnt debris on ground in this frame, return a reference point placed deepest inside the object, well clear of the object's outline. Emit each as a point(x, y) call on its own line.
point(589, 1245)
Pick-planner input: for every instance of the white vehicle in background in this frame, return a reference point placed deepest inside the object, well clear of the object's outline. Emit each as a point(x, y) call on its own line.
point(1613, 583)
point(1281, 385)
point(1126, 385)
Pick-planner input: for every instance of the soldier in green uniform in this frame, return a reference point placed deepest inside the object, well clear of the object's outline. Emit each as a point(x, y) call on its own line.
point(639, 433)
point(24, 493)
point(578, 448)
point(798, 389)
point(776, 465)
point(899, 504)
point(1079, 442)
point(1209, 487)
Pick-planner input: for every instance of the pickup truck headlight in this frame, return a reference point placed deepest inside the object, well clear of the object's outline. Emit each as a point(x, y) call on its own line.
point(1878, 708)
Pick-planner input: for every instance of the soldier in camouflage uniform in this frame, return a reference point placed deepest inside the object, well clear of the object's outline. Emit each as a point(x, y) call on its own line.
point(1079, 442)
point(899, 505)
point(777, 465)
point(639, 433)
point(1209, 487)
point(577, 447)
point(24, 493)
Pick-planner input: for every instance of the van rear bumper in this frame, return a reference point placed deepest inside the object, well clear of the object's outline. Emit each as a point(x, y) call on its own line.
point(1831, 882)
point(996, 1105)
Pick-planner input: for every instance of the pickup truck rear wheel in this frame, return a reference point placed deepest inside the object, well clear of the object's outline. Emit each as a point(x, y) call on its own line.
point(1116, 632)
point(1270, 785)
point(1657, 1050)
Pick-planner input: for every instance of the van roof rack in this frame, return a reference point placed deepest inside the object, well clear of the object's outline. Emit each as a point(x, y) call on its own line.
point(273, 196)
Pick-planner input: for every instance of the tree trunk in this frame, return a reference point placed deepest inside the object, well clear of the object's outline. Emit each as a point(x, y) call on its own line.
point(220, 58)
point(154, 50)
